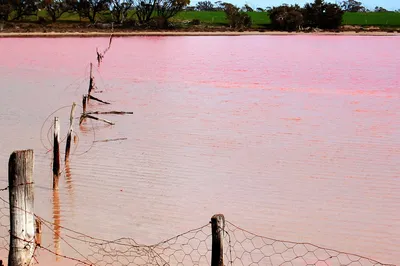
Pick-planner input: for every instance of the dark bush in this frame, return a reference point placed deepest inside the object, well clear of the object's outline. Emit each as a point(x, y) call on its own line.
point(286, 17)
point(5, 10)
point(195, 21)
point(23, 8)
point(322, 15)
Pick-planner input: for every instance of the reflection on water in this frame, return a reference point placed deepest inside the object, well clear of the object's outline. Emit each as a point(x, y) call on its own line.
point(56, 223)
point(291, 137)
point(68, 178)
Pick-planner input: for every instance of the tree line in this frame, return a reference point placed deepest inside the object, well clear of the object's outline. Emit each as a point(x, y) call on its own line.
point(145, 10)
point(347, 6)
point(317, 14)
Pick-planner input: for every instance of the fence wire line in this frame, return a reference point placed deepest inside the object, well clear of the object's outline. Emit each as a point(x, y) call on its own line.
point(193, 247)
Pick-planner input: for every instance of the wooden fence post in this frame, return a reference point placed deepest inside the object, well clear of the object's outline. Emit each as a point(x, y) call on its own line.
point(22, 218)
point(217, 230)
point(56, 153)
point(69, 136)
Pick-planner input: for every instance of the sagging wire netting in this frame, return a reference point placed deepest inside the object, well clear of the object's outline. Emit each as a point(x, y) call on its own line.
point(193, 247)
point(246, 248)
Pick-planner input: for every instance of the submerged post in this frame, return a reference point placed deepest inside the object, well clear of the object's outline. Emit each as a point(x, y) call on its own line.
point(69, 136)
point(56, 153)
point(84, 100)
point(22, 218)
point(217, 230)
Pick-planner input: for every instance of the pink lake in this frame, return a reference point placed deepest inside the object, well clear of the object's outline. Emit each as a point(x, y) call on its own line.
point(290, 137)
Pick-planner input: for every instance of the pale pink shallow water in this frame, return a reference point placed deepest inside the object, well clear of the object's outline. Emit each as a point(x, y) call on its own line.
point(292, 137)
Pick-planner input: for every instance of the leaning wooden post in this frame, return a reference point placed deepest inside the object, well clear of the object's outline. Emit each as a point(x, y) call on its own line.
point(217, 230)
point(69, 136)
point(56, 153)
point(22, 218)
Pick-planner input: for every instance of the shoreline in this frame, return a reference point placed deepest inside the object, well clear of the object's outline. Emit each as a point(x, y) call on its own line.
point(187, 33)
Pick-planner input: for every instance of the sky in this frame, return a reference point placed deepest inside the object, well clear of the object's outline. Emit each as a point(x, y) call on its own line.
point(370, 4)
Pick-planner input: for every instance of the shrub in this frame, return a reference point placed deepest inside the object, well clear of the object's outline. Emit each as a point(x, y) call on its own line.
point(236, 18)
point(322, 15)
point(286, 17)
point(5, 10)
point(195, 21)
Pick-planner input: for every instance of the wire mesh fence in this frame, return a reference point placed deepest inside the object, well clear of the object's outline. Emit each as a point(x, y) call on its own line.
point(194, 247)
point(4, 225)
point(246, 248)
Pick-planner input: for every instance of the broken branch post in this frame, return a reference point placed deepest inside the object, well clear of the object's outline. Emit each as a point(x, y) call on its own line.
point(107, 140)
point(109, 113)
point(98, 119)
point(97, 99)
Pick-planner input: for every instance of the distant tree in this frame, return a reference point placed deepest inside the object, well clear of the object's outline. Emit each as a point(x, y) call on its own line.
point(190, 8)
point(56, 8)
point(91, 8)
point(168, 8)
point(286, 17)
point(380, 9)
point(23, 8)
point(259, 9)
point(352, 6)
point(237, 19)
point(5, 9)
point(144, 10)
point(322, 15)
point(119, 10)
point(205, 6)
point(158, 11)
point(219, 6)
point(247, 8)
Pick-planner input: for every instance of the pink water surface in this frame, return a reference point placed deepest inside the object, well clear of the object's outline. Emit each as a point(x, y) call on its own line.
point(291, 137)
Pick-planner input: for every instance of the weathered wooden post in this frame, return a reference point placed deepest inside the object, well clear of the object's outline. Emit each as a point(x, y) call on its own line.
point(69, 136)
point(217, 230)
point(84, 100)
point(56, 153)
point(90, 82)
point(22, 218)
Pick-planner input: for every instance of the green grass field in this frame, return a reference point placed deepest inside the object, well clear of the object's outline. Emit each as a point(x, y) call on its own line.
point(372, 19)
point(261, 19)
point(219, 18)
